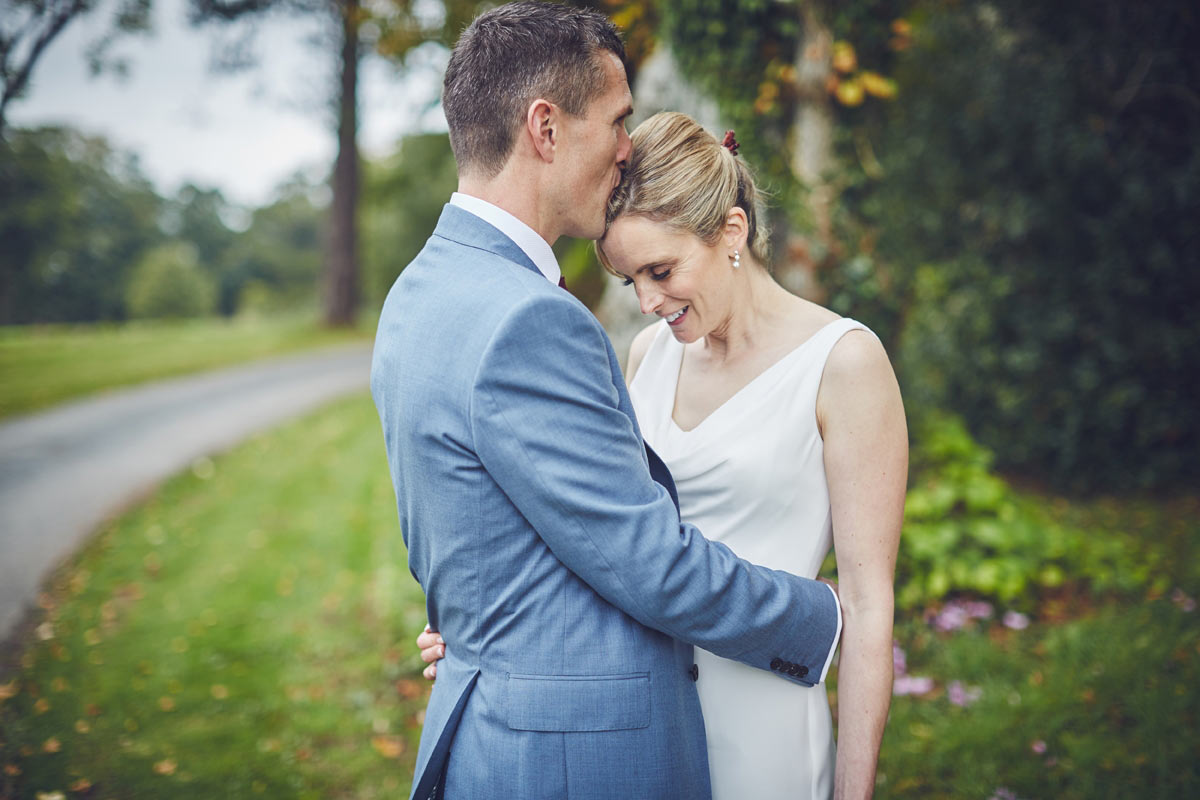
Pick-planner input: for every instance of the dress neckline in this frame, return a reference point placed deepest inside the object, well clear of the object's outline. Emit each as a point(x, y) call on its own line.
point(771, 368)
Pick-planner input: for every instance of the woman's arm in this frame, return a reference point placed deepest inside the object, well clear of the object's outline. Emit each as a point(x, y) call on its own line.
point(861, 418)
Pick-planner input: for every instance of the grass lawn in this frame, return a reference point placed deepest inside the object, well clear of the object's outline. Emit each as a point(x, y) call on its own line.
point(245, 633)
point(44, 365)
point(248, 633)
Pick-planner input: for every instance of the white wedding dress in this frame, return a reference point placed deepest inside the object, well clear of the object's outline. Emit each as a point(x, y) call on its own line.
point(752, 475)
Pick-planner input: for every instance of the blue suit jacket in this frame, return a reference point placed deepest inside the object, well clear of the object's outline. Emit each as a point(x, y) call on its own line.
point(548, 542)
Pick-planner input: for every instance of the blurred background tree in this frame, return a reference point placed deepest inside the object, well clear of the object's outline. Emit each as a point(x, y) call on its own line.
point(75, 216)
point(168, 283)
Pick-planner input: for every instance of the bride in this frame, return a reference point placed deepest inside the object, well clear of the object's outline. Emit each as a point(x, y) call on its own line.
point(783, 427)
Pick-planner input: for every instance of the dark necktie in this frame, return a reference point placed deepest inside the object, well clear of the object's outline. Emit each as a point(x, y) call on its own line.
point(562, 282)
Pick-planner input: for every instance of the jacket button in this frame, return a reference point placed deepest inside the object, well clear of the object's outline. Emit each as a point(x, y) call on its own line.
point(776, 664)
point(694, 672)
point(793, 670)
point(803, 671)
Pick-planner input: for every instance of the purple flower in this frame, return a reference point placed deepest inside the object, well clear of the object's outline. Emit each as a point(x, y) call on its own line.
point(979, 610)
point(1015, 620)
point(1181, 598)
point(950, 618)
point(1038, 747)
point(961, 695)
point(899, 660)
point(912, 684)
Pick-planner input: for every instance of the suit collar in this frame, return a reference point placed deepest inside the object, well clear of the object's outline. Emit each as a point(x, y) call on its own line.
point(463, 227)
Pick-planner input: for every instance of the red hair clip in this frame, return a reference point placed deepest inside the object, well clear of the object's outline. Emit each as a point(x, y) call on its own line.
point(730, 142)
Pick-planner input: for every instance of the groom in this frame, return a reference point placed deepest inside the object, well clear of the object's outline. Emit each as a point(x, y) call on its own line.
point(545, 534)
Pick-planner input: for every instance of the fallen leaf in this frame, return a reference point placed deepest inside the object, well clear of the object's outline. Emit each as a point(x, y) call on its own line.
point(60, 685)
point(166, 767)
point(92, 710)
point(51, 745)
point(166, 703)
point(51, 796)
point(92, 636)
point(45, 631)
point(81, 785)
point(82, 726)
point(219, 691)
point(409, 689)
point(8, 690)
point(388, 746)
point(12, 770)
point(41, 706)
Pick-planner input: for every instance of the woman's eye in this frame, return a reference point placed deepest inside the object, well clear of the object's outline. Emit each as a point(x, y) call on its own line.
point(660, 276)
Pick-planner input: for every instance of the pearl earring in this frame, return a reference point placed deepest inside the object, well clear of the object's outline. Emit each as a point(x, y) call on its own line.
point(737, 259)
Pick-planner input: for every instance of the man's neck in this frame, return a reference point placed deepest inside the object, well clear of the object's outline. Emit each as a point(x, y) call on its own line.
point(518, 197)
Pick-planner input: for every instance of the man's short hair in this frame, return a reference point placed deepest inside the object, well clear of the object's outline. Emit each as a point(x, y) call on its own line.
point(509, 57)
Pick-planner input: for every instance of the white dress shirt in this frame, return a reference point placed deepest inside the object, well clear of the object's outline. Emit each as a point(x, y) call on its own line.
point(523, 236)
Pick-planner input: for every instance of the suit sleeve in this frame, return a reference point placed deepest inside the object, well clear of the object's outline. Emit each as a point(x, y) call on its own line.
point(548, 428)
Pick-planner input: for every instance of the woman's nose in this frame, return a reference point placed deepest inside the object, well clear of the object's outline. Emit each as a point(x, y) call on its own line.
point(649, 299)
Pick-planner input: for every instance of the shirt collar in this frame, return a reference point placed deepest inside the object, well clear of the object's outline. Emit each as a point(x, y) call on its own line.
point(523, 236)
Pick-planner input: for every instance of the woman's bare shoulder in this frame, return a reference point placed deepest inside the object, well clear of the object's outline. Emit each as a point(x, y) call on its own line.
point(637, 350)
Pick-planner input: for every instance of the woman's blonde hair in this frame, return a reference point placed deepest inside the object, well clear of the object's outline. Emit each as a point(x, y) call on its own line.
point(680, 175)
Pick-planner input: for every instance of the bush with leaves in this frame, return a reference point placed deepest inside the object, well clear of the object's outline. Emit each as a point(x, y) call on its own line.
point(966, 531)
point(168, 283)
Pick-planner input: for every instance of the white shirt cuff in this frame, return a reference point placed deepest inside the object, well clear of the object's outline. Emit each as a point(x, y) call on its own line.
point(836, 636)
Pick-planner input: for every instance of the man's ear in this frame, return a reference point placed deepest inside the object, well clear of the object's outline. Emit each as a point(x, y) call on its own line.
point(541, 123)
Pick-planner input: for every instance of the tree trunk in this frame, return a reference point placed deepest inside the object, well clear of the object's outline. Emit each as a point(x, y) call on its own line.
point(341, 265)
point(811, 154)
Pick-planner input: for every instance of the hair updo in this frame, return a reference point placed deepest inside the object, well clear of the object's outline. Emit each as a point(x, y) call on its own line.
point(680, 175)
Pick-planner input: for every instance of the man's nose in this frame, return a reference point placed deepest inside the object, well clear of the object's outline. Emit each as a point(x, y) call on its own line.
point(624, 148)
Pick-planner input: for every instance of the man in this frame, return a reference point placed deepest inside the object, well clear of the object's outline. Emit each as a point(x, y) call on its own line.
point(544, 533)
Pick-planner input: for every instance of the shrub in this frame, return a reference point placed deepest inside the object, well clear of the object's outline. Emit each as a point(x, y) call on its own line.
point(167, 282)
point(966, 531)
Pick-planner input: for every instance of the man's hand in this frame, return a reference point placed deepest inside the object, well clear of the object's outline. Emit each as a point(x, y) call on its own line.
point(433, 650)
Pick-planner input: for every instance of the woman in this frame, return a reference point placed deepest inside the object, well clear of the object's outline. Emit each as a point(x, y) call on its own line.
point(783, 427)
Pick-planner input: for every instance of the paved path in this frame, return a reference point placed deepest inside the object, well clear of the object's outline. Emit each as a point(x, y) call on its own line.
point(63, 471)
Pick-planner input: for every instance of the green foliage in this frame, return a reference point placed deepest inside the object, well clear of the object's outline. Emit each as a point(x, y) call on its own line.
point(730, 48)
point(1039, 199)
point(966, 531)
point(168, 283)
point(1109, 701)
point(74, 217)
point(402, 200)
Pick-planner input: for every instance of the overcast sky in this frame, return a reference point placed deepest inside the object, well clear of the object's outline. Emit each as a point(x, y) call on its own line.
point(243, 133)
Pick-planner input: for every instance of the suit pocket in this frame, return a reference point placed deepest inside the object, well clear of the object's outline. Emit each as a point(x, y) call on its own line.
point(576, 703)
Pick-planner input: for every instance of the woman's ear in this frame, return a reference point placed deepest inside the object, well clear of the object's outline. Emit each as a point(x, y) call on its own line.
point(737, 228)
point(541, 123)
